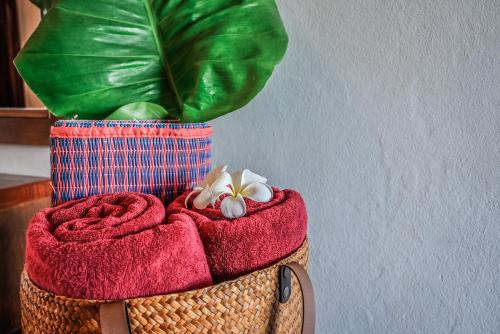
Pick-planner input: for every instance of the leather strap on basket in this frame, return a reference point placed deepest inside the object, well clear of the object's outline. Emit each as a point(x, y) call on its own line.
point(114, 318)
point(309, 311)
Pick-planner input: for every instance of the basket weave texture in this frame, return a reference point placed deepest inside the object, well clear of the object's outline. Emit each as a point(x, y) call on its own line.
point(247, 304)
point(153, 157)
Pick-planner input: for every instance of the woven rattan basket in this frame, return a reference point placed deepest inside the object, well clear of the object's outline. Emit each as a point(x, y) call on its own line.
point(248, 304)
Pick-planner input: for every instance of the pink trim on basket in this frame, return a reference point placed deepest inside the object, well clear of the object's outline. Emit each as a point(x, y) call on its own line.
point(98, 132)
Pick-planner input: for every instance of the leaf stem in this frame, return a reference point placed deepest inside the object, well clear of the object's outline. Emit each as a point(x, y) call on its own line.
point(159, 45)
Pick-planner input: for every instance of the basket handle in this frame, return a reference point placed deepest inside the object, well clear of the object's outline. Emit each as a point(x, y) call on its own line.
point(114, 315)
point(114, 318)
point(285, 291)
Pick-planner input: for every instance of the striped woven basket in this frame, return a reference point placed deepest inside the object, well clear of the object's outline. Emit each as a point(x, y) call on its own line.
point(155, 157)
point(260, 302)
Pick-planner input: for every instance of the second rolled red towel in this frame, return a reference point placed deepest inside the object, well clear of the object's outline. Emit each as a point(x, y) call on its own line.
point(267, 233)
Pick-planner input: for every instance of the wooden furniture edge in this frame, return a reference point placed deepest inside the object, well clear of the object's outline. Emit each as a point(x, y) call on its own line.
point(39, 113)
point(28, 191)
point(25, 126)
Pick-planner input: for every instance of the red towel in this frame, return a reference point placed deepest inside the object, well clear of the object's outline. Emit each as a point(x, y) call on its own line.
point(114, 246)
point(267, 233)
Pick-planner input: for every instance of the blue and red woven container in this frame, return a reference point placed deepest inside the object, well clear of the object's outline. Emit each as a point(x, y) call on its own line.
point(155, 157)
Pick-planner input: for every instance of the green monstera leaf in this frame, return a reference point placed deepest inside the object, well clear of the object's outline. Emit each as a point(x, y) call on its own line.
point(198, 59)
point(139, 111)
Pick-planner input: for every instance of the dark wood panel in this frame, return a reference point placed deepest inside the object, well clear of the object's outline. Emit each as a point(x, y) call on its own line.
point(24, 131)
point(11, 84)
point(16, 189)
point(13, 224)
point(20, 198)
point(25, 126)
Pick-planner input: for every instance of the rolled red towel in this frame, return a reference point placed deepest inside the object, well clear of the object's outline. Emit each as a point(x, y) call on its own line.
point(267, 233)
point(114, 246)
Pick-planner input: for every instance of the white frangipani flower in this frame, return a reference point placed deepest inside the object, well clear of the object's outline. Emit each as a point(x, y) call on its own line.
point(238, 186)
point(245, 184)
point(207, 188)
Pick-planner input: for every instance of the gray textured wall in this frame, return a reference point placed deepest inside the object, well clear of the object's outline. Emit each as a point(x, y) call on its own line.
point(386, 116)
